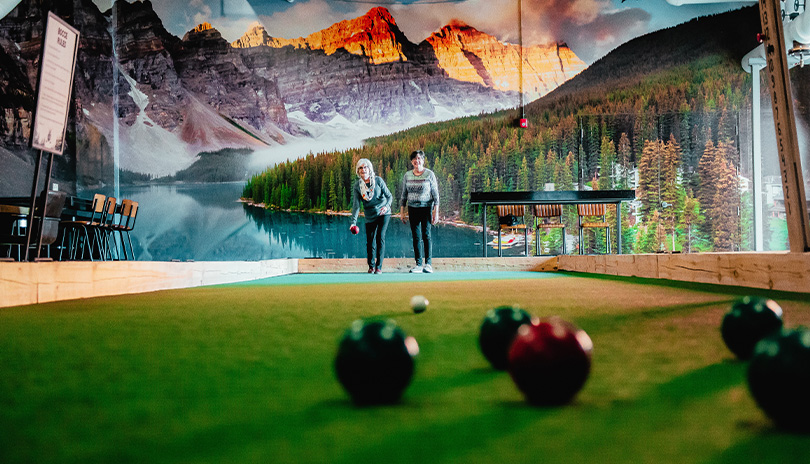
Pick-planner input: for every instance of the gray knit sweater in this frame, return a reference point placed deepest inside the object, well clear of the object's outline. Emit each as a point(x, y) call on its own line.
point(420, 191)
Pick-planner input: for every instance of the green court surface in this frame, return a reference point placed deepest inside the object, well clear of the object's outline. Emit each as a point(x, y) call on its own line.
point(244, 373)
point(388, 277)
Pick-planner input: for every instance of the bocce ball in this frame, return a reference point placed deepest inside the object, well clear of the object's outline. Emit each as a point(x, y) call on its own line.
point(354, 229)
point(419, 304)
point(550, 360)
point(375, 362)
point(497, 332)
point(750, 319)
point(779, 377)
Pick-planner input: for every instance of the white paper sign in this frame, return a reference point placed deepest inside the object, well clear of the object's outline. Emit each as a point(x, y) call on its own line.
point(55, 85)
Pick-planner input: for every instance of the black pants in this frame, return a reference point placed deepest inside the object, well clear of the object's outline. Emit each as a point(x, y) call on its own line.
point(420, 230)
point(375, 240)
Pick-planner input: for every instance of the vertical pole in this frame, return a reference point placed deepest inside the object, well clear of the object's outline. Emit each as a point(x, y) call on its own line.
point(44, 203)
point(798, 223)
point(520, 65)
point(619, 230)
point(484, 224)
point(33, 205)
point(116, 146)
point(756, 148)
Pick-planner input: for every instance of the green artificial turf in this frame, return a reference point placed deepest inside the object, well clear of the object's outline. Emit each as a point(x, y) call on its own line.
point(244, 373)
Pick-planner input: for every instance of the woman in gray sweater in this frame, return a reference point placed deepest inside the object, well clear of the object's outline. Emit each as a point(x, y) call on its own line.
point(371, 191)
point(420, 194)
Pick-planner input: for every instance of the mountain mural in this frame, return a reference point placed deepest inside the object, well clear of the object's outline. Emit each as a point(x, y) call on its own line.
point(177, 97)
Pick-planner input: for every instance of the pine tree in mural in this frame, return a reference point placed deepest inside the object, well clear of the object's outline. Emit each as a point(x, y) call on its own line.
point(333, 193)
point(303, 198)
point(650, 235)
point(540, 177)
point(563, 175)
point(551, 168)
point(707, 187)
point(623, 155)
point(607, 163)
point(726, 205)
point(649, 177)
point(671, 192)
point(523, 176)
point(691, 218)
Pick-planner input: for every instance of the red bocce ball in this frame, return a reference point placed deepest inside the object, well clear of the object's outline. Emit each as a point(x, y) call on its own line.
point(550, 360)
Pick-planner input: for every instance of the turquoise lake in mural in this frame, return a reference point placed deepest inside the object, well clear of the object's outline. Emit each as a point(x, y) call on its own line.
point(206, 222)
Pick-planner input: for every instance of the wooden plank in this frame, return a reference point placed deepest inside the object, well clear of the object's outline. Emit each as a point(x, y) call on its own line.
point(30, 283)
point(636, 266)
point(355, 265)
point(784, 117)
point(774, 271)
point(785, 271)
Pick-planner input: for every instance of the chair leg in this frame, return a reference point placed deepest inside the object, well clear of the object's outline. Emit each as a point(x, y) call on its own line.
point(131, 250)
point(65, 234)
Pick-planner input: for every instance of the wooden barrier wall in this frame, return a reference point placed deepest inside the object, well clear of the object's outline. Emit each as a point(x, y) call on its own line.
point(773, 270)
point(30, 283)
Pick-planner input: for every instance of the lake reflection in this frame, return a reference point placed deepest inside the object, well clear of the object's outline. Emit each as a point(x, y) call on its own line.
point(205, 222)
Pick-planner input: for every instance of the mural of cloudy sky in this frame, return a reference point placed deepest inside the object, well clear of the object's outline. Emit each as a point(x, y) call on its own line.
point(592, 28)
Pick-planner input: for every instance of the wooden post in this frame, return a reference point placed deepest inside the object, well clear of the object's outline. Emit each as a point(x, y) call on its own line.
point(798, 224)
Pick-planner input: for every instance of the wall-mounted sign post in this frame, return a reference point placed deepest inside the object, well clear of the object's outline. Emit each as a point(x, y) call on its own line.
point(798, 224)
point(59, 48)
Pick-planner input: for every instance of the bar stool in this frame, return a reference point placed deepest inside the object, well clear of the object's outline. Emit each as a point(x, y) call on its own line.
point(510, 217)
point(590, 210)
point(548, 212)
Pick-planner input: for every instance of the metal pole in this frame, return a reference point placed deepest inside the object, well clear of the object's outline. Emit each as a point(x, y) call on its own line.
point(44, 203)
point(33, 205)
point(484, 223)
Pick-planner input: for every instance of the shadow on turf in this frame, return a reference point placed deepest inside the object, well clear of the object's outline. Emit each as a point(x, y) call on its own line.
point(641, 314)
point(768, 445)
point(393, 315)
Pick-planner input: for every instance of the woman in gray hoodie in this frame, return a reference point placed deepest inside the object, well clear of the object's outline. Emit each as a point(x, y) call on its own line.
point(371, 191)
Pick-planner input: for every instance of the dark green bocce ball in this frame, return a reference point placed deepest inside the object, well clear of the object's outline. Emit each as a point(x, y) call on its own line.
point(375, 362)
point(550, 360)
point(498, 331)
point(779, 378)
point(750, 319)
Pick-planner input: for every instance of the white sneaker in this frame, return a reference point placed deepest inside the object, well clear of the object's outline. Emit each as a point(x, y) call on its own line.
point(427, 269)
point(417, 269)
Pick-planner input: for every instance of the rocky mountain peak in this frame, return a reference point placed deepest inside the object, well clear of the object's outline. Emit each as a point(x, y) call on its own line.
point(375, 36)
point(469, 55)
point(255, 36)
point(202, 31)
point(461, 34)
